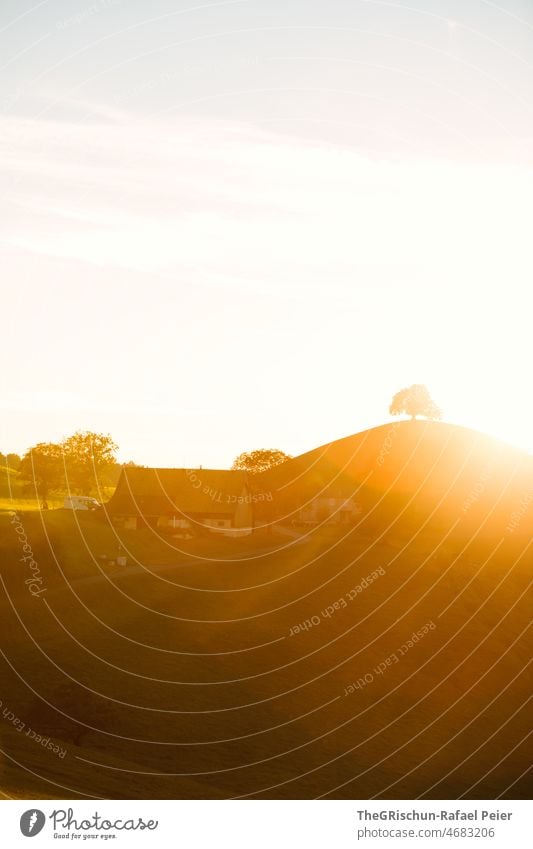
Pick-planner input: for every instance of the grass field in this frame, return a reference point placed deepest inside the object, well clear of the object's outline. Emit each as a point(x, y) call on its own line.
point(26, 504)
point(220, 668)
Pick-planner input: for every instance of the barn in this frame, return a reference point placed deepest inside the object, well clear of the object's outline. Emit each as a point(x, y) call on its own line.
point(334, 508)
point(186, 501)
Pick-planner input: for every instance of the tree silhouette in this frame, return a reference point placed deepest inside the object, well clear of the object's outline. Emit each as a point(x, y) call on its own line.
point(81, 463)
point(42, 468)
point(415, 401)
point(259, 460)
point(89, 459)
point(13, 461)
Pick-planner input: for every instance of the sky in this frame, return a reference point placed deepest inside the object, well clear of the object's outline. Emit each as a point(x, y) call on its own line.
point(247, 224)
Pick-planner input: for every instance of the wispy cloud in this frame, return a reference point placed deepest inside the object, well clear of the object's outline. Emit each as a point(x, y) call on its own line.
point(217, 198)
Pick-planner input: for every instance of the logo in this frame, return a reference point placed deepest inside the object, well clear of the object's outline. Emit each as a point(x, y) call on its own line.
point(32, 822)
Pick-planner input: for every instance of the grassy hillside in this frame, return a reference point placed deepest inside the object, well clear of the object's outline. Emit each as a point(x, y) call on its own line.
point(283, 666)
point(426, 465)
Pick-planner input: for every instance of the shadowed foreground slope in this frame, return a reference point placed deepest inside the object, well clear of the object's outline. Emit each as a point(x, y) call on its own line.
point(388, 657)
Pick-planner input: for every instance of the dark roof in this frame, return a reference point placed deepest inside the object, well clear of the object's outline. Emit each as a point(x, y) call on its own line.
point(154, 492)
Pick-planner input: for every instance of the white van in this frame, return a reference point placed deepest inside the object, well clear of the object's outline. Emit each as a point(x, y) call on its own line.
point(81, 502)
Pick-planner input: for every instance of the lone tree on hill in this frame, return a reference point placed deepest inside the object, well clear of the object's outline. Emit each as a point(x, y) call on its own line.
point(416, 401)
point(259, 460)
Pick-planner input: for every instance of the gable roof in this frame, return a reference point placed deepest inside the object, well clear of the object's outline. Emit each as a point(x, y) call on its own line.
point(153, 492)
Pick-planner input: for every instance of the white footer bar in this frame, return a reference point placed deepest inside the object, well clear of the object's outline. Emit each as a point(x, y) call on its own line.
point(254, 824)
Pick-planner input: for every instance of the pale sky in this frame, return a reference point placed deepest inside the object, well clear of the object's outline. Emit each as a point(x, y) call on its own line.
point(235, 225)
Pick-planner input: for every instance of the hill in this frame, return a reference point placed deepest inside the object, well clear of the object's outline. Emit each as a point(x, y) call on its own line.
point(422, 465)
point(388, 657)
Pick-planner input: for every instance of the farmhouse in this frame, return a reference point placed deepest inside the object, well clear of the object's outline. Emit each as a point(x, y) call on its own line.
point(331, 509)
point(186, 501)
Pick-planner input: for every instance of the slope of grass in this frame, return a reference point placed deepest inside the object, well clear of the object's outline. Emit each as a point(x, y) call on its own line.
point(188, 673)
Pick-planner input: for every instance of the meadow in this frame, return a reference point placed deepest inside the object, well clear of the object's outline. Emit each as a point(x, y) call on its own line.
point(270, 666)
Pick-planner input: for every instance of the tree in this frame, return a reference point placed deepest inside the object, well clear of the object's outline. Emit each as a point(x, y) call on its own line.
point(259, 460)
point(42, 468)
point(416, 401)
point(13, 461)
point(89, 460)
